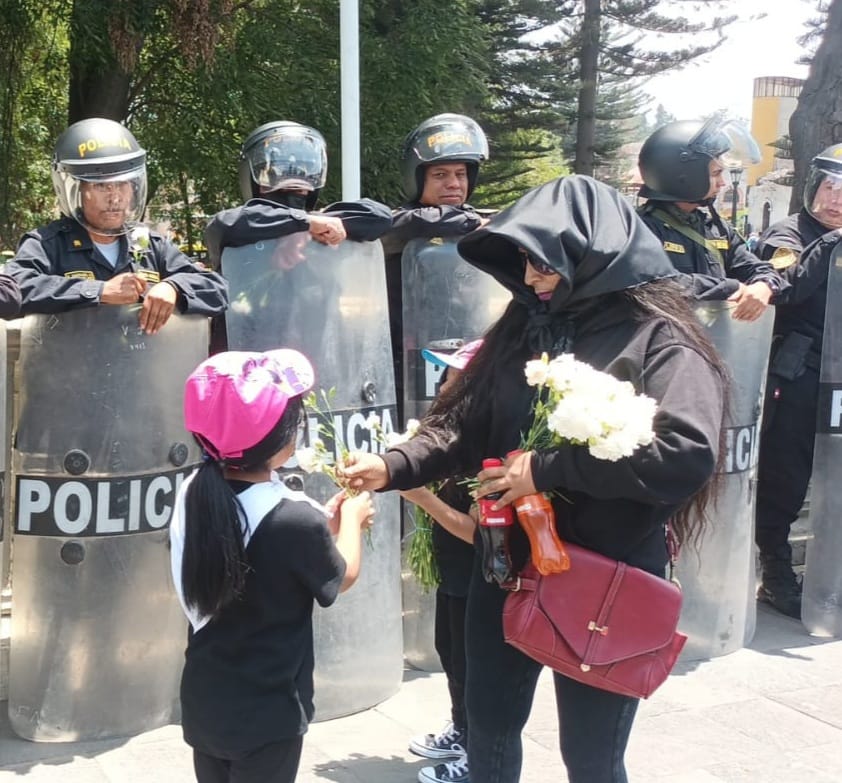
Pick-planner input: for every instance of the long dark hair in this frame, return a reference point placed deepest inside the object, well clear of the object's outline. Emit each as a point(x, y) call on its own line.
point(214, 565)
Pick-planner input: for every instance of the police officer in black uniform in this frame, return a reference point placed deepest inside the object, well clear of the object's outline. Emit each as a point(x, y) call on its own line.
point(282, 169)
point(800, 247)
point(682, 166)
point(97, 253)
point(440, 163)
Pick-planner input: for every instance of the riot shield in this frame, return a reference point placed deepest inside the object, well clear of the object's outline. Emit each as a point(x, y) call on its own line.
point(821, 602)
point(5, 538)
point(98, 635)
point(718, 577)
point(330, 304)
point(445, 300)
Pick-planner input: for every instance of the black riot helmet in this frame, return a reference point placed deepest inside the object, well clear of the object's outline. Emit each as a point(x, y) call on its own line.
point(99, 155)
point(445, 138)
point(281, 156)
point(823, 188)
point(674, 161)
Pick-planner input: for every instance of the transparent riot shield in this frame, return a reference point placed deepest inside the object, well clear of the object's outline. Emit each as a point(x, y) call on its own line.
point(5, 537)
point(330, 304)
point(445, 300)
point(98, 636)
point(821, 602)
point(718, 577)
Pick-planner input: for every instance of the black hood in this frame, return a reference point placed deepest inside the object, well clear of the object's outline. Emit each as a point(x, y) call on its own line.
point(583, 229)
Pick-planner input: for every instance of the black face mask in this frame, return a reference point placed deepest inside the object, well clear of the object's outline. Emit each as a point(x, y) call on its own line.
point(287, 199)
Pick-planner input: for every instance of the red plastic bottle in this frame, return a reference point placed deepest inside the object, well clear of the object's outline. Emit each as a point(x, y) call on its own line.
point(494, 529)
point(537, 518)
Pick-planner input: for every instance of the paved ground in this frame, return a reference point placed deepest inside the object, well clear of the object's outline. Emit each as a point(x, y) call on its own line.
point(770, 713)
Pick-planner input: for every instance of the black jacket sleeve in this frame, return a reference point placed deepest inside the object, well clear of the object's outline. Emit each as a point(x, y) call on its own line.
point(255, 220)
point(201, 291)
point(682, 455)
point(748, 268)
point(809, 273)
point(364, 220)
point(9, 296)
point(414, 222)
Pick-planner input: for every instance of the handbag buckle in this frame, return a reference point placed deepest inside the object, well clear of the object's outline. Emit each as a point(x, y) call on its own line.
point(512, 586)
point(602, 630)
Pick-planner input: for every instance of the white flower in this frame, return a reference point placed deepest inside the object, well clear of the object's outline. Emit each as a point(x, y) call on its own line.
point(309, 460)
point(372, 422)
point(392, 439)
point(412, 427)
point(139, 239)
point(536, 371)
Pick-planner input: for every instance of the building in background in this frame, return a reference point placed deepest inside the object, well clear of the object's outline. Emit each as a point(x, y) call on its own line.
point(769, 183)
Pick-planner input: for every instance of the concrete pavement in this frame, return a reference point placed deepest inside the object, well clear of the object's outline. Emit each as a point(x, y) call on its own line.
point(769, 713)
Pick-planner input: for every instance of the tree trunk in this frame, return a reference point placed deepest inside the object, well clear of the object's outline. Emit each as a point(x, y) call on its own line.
point(98, 87)
point(816, 122)
point(588, 71)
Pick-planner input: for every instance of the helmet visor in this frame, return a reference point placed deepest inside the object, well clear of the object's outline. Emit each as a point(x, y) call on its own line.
point(111, 205)
point(451, 141)
point(823, 196)
point(290, 159)
point(729, 141)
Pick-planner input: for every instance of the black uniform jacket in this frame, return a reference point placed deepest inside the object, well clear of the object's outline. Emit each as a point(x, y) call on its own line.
point(599, 246)
point(414, 220)
point(364, 220)
point(59, 268)
point(9, 296)
point(706, 275)
point(800, 248)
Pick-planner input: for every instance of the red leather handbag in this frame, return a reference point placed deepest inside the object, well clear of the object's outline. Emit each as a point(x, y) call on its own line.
point(602, 622)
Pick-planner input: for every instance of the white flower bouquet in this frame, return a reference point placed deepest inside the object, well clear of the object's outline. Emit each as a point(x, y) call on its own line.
point(581, 405)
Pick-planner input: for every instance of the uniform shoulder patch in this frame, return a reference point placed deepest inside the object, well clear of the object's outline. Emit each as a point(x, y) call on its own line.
point(80, 274)
point(720, 244)
point(783, 258)
point(674, 247)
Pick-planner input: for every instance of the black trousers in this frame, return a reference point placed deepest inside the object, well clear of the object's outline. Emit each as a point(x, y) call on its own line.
point(273, 763)
point(786, 459)
point(450, 645)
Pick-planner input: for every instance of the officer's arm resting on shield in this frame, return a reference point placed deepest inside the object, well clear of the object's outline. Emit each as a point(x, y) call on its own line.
point(364, 220)
point(759, 280)
point(10, 296)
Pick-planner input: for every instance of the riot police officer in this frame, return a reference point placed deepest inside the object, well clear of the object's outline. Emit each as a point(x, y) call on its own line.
point(282, 169)
point(682, 166)
point(440, 163)
point(799, 247)
point(97, 252)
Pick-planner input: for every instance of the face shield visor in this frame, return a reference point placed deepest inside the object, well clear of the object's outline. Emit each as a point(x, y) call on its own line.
point(823, 195)
point(729, 141)
point(109, 204)
point(291, 159)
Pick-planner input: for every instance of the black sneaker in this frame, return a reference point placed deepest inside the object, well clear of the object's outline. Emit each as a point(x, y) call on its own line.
point(450, 772)
point(448, 744)
point(782, 591)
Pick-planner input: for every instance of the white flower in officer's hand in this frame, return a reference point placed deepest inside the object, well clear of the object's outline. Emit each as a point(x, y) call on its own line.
point(139, 239)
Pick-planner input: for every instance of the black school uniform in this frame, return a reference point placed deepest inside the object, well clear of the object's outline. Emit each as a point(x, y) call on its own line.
point(248, 674)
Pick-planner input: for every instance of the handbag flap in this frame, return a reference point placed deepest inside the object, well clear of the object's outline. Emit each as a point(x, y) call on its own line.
point(606, 610)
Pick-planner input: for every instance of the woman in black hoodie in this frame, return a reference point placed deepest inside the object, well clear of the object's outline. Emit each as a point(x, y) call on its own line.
point(587, 278)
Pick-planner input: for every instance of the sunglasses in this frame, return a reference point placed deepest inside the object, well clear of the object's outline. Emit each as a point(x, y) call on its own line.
point(540, 267)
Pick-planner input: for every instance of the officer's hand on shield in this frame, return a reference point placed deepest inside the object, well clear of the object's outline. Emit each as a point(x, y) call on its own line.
point(123, 289)
point(751, 301)
point(158, 306)
point(363, 471)
point(326, 229)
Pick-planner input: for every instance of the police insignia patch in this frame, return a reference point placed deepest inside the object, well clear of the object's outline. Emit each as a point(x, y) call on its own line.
point(783, 258)
point(674, 247)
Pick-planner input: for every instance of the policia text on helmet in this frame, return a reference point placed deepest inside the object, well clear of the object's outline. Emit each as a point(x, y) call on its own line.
point(99, 176)
point(452, 144)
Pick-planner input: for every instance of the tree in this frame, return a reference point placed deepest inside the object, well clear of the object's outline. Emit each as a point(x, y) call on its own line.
point(610, 42)
point(816, 122)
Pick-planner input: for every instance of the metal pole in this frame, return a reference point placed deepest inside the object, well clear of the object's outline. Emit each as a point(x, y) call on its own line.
point(349, 33)
point(736, 175)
